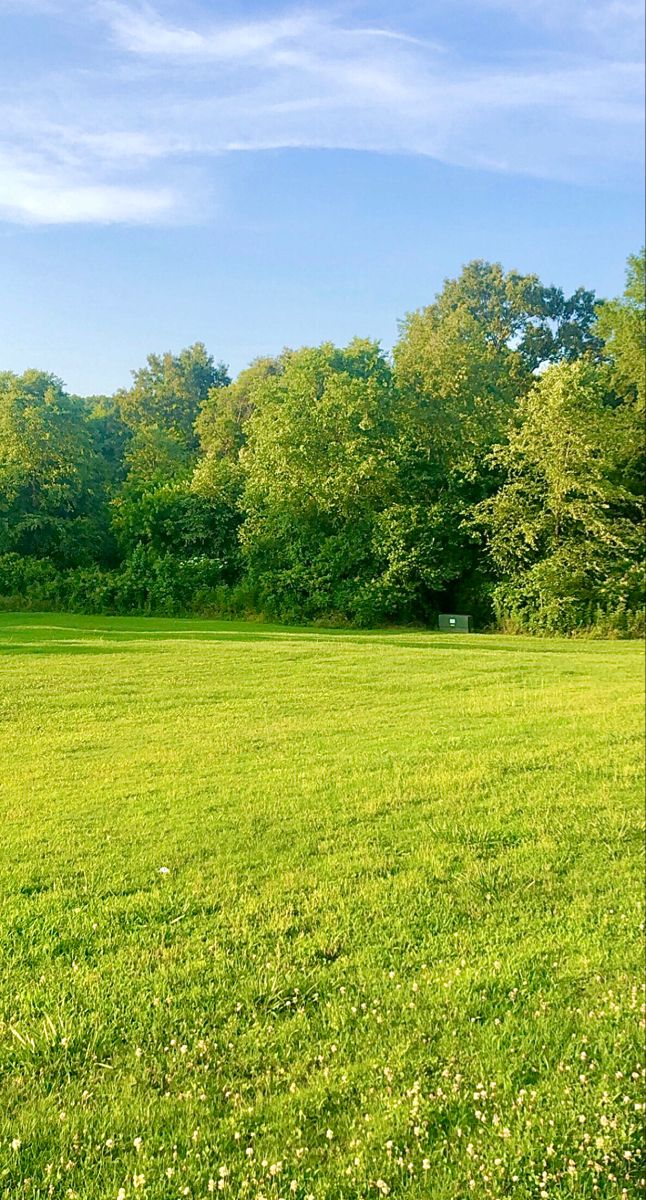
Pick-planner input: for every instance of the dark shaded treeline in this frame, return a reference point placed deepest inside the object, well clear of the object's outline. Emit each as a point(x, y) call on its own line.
point(494, 464)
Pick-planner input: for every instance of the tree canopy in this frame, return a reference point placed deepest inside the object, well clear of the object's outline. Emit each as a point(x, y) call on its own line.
point(494, 463)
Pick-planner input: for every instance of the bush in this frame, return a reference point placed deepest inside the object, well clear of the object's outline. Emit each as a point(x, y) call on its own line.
point(154, 584)
point(145, 583)
point(32, 582)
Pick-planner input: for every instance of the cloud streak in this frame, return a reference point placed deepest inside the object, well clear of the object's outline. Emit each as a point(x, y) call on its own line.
point(142, 31)
point(38, 196)
point(122, 137)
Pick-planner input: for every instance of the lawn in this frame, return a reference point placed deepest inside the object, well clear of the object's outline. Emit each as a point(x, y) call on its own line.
point(295, 913)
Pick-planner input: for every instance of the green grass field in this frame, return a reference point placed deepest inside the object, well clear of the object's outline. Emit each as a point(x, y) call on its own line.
point(294, 913)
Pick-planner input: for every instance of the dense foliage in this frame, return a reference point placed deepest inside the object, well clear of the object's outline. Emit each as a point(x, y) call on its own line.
point(493, 464)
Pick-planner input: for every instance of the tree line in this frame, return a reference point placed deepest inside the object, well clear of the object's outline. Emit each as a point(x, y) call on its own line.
point(492, 464)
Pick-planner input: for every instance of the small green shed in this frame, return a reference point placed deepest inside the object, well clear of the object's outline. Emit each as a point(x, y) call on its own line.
point(455, 623)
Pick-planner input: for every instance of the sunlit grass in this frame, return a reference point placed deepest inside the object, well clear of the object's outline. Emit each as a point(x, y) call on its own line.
point(288, 913)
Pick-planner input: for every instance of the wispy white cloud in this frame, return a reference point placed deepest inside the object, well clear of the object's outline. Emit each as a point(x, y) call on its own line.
point(113, 142)
point(40, 195)
point(142, 31)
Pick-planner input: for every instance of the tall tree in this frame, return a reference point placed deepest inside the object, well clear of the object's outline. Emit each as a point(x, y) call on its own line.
point(621, 324)
point(318, 468)
point(156, 505)
point(564, 531)
point(510, 311)
point(462, 364)
point(163, 404)
point(52, 484)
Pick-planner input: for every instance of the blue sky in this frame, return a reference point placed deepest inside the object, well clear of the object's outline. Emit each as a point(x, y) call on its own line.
point(255, 175)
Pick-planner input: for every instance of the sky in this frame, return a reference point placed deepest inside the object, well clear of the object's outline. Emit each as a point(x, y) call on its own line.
point(259, 175)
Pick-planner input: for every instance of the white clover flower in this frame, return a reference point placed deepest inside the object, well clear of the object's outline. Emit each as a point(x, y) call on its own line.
point(16, 1144)
point(164, 870)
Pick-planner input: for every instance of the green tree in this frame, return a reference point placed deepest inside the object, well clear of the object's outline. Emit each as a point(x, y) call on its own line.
point(461, 365)
point(621, 324)
point(317, 469)
point(110, 434)
point(155, 454)
point(174, 518)
point(218, 477)
point(509, 311)
point(52, 483)
point(564, 530)
point(165, 400)
point(459, 377)
point(156, 507)
point(223, 417)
